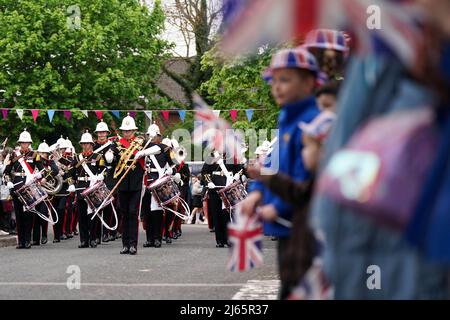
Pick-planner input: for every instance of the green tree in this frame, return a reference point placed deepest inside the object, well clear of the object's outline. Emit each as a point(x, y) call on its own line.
point(94, 55)
point(238, 84)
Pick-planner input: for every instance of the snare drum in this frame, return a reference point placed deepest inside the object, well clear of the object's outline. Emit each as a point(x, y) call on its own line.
point(31, 194)
point(165, 190)
point(95, 195)
point(233, 194)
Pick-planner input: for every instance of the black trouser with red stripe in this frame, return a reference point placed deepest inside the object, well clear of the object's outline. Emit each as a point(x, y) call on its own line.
point(39, 224)
point(152, 219)
point(129, 207)
point(68, 214)
point(221, 217)
point(60, 205)
point(24, 222)
point(85, 224)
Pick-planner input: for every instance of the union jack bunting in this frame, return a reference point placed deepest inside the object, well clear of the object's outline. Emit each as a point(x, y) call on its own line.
point(245, 235)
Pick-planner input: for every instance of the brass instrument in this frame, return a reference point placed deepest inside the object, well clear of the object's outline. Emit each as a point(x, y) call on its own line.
point(180, 154)
point(52, 184)
point(136, 145)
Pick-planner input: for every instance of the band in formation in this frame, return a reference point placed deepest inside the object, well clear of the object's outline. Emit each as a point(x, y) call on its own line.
point(101, 193)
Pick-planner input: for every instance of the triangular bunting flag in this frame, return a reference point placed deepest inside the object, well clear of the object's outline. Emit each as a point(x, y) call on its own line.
point(99, 114)
point(216, 113)
point(182, 114)
point(51, 114)
point(67, 114)
point(249, 113)
point(148, 114)
point(5, 113)
point(85, 112)
point(116, 114)
point(20, 113)
point(233, 114)
point(165, 114)
point(132, 114)
point(35, 113)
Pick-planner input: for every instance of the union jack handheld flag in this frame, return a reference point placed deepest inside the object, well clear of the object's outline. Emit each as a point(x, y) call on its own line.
point(214, 131)
point(245, 235)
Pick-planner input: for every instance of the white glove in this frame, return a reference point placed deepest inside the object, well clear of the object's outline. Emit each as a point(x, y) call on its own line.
point(139, 154)
point(100, 177)
point(109, 156)
point(10, 185)
point(168, 171)
point(71, 188)
point(244, 178)
point(237, 177)
point(38, 175)
point(211, 185)
point(177, 177)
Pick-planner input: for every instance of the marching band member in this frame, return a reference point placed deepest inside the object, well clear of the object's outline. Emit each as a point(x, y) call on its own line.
point(102, 145)
point(86, 171)
point(152, 212)
point(50, 168)
point(19, 171)
point(63, 200)
point(121, 156)
point(215, 177)
point(182, 178)
point(169, 217)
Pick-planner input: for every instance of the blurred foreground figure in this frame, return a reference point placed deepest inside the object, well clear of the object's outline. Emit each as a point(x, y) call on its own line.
point(380, 84)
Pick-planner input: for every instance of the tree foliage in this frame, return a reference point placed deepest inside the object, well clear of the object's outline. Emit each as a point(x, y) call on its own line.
point(238, 84)
point(48, 60)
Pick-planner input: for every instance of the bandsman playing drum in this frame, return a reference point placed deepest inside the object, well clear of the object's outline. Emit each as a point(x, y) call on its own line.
point(19, 171)
point(85, 171)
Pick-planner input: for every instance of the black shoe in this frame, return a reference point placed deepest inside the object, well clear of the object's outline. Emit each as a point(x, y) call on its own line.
point(220, 245)
point(83, 244)
point(157, 244)
point(98, 241)
point(27, 245)
point(168, 240)
point(228, 245)
point(20, 246)
point(44, 240)
point(212, 230)
point(148, 244)
point(64, 237)
point(175, 236)
point(36, 243)
point(125, 250)
point(56, 241)
point(119, 235)
point(133, 250)
point(69, 236)
point(75, 233)
point(112, 238)
point(93, 243)
point(105, 238)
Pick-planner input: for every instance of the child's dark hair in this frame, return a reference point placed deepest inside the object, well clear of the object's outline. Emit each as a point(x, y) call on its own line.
point(331, 87)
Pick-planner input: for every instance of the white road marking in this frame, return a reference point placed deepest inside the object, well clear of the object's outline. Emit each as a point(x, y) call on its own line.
point(93, 284)
point(258, 290)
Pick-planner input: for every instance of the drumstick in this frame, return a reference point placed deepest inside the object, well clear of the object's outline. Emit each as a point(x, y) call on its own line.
point(279, 220)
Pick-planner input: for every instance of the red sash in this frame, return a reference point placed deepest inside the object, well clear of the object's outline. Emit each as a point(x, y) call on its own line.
point(126, 144)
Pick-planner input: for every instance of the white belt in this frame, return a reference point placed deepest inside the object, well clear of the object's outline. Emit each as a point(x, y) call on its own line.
point(154, 170)
point(19, 174)
point(218, 173)
point(83, 179)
